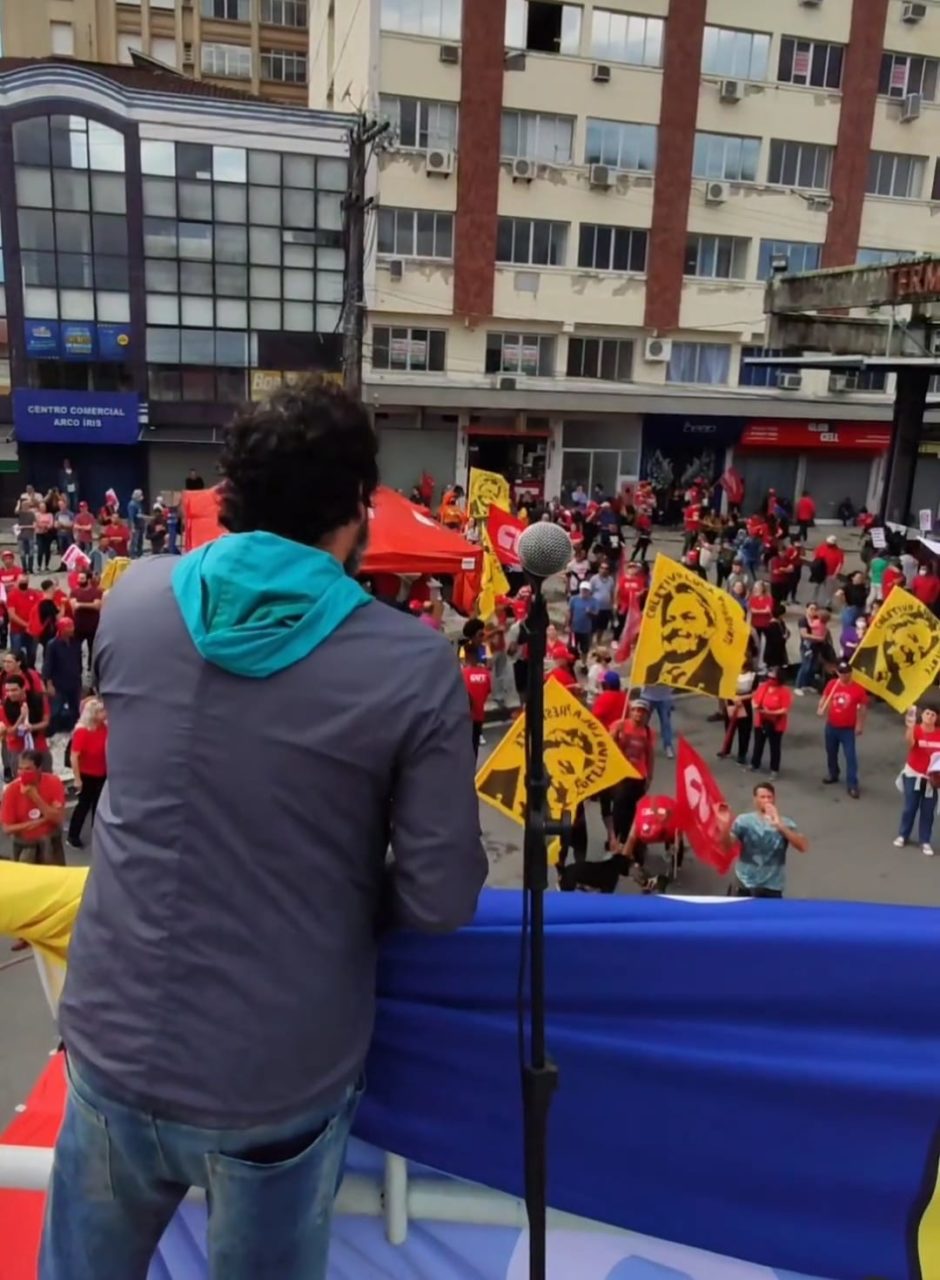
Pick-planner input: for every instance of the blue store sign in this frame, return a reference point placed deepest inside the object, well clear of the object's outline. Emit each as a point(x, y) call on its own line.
point(42, 338)
point(76, 417)
point(76, 340)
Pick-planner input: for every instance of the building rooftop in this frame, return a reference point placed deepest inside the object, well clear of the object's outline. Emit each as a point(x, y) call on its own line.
point(144, 75)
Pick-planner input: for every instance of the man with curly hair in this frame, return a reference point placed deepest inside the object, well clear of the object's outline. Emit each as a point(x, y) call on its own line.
point(272, 730)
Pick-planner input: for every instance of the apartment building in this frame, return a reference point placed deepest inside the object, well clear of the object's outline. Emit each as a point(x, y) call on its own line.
point(577, 207)
point(257, 45)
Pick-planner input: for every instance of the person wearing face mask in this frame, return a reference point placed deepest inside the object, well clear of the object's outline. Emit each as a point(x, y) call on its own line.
point(32, 812)
point(269, 629)
point(920, 797)
point(86, 600)
point(926, 587)
point(853, 636)
point(21, 601)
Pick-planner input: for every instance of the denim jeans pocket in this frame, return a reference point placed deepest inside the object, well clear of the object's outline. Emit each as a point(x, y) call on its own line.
point(84, 1146)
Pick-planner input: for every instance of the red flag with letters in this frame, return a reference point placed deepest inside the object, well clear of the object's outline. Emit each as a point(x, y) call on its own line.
point(504, 531)
point(697, 798)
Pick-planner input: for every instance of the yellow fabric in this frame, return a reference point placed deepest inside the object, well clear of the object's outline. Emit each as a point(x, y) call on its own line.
point(113, 570)
point(899, 656)
point(487, 489)
point(493, 582)
point(39, 905)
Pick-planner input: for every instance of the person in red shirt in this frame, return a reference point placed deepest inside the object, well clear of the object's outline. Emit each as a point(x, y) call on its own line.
point(926, 587)
point(21, 600)
point(84, 528)
point(90, 766)
point(563, 670)
point(637, 741)
point(610, 705)
point(656, 822)
point(24, 721)
point(761, 610)
point(32, 813)
point(781, 575)
point(805, 513)
point(119, 536)
point(827, 565)
point(893, 577)
point(479, 685)
point(793, 554)
point(920, 797)
point(9, 570)
point(692, 523)
point(844, 704)
point(771, 707)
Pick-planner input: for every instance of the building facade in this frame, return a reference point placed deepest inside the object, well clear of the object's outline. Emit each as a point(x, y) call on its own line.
point(259, 45)
point(169, 251)
point(578, 205)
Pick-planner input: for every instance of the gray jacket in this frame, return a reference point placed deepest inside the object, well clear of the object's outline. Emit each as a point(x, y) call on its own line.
point(222, 969)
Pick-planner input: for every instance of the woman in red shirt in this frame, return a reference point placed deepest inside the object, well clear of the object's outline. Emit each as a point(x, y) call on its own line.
point(636, 740)
point(920, 799)
point(771, 705)
point(89, 764)
point(761, 609)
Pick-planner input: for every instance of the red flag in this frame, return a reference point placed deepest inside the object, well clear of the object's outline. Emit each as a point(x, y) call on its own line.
point(733, 485)
point(697, 796)
point(504, 531)
point(631, 629)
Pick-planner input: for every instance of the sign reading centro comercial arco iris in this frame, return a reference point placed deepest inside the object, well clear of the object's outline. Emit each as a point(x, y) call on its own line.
point(76, 417)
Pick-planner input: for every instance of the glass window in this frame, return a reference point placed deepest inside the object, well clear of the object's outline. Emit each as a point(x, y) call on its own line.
point(157, 158)
point(198, 346)
point(702, 362)
point(721, 155)
point(230, 10)
point(411, 350)
point(71, 189)
point(159, 197)
point(69, 142)
point(626, 37)
point(73, 232)
point(299, 317)
point(622, 146)
point(231, 244)
point(329, 211)
point(76, 304)
point(743, 54)
point(810, 62)
point(264, 168)
point(543, 26)
point(111, 273)
point(265, 315)
point(758, 375)
point(285, 65)
point(196, 311)
point(535, 135)
point(230, 385)
point(329, 286)
point(195, 201)
point(437, 18)
point(110, 233)
point(196, 277)
point(113, 307)
point(531, 242)
point(420, 122)
point(299, 171)
point(163, 383)
point(299, 209)
point(264, 206)
point(799, 164)
point(298, 285)
point(36, 230)
point(194, 161)
point(163, 346)
point(265, 282)
point(800, 255)
point(105, 148)
point(881, 257)
point(332, 175)
point(195, 240)
point(418, 233)
point(328, 317)
point(232, 61)
point(603, 248)
point(233, 315)
point(108, 193)
point(899, 176)
point(160, 238)
point(299, 255)
point(265, 246)
point(31, 141)
point(41, 304)
point(531, 355)
point(229, 164)
point(198, 384)
point(40, 269)
point(716, 257)
point(903, 73)
point(34, 188)
point(607, 358)
point(231, 203)
point(163, 309)
point(231, 280)
point(284, 13)
point(161, 277)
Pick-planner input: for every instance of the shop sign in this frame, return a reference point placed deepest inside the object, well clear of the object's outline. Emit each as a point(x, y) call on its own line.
point(42, 338)
point(264, 382)
point(860, 436)
point(76, 340)
point(76, 417)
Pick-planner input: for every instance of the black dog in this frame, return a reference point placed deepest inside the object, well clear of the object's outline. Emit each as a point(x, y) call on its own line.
point(594, 877)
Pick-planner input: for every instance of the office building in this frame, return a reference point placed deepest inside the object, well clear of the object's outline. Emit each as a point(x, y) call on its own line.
point(578, 204)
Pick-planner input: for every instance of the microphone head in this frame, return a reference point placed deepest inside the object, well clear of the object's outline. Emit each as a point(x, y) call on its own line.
point(544, 549)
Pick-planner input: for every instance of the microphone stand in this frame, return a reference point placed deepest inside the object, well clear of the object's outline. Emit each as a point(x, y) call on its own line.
point(539, 1073)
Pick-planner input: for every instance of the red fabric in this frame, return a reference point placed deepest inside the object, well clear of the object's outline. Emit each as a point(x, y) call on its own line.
point(466, 591)
point(926, 588)
point(16, 742)
point(772, 697)
point(762, 608)
point(844, 703)
point(698, 795)
point(925, 744)
point(691, 517)
point(479, 684)
point(733, 485)
point(22, 604)
point(504, 531)
point(832, 557)
point(656, 820)
point(21, 1212)
point(9, 577)
point(631, 629)
point(805, 510)
point(636, 742)
point(17, 806)
point(91, 745)
point(610, 705)
point(892, 578)
point(563, 676)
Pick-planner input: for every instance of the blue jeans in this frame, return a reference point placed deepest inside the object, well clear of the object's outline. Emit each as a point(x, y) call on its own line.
point(24, 646)
point(807, 669)
point(844, 738)
point(917, 804)
point(66, 704)
point(663, 709)
point(137, 543)
point(119, 1175)
point(27, 550)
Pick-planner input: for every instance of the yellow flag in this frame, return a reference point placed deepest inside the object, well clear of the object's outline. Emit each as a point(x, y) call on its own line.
point(113, 570)
point(928, 1228)
point(899, 656)
point(692, 636)
point(580, 755)
point(493, 582)
point(487, 489)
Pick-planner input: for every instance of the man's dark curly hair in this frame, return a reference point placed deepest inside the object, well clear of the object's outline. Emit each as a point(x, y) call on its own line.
point(298, 464)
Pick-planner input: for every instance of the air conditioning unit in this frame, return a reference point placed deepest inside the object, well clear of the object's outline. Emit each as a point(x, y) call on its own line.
point(789, 380)
point(600, 175)
point(819, 204)
point(507, 384)
point(717, 192)
point(600, 73)
point(396, 269)
point(913, 12)
point(439, 162)
point(910, 108)
point(188, 59)
point(449, 53)
point(523, 170)
point(730, 91)
point(842, 382)
point(657, 350)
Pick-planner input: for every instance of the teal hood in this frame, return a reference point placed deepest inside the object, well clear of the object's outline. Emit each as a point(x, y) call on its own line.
point(255, 603)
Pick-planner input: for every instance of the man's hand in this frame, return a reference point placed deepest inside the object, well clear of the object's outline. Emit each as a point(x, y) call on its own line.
point(772, 816)
point(31, 793)
point(723, 818)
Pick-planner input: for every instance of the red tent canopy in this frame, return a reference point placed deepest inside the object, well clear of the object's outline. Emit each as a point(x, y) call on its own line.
point(402, 537)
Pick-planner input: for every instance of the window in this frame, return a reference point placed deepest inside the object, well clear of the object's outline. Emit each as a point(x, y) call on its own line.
point(543, 26)
point(531, 242)
point(758, 375)
point(233, 10)
point(532, 135)
point(902, 73)
point(716, 257)
point(164, 49)
point(704, 362)
point(421, 123)
point(726, 52)
point(529, 354)
point(800, 256)
point(720, 155)
point(62, 38)
point(872, 380)
point(624, 37)
point(409, 350)
point(228, 60)
point(284, 65)
point(799, 164)
point(810, 62)
point(607, 358)
point(284, 13)
point(895, 175)
point(126, 45)
point(883, 257)
point(612, 248)
point(416, 233)
point(438, 18)
point(622, 146)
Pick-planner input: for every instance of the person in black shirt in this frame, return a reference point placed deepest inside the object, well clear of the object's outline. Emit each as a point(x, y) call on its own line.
point(194, 480)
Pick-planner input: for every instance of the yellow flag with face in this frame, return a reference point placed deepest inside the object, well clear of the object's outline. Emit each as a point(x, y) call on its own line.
point(486, 489)
point(493, 581)
point(899, 656)
point(580, 756)
point(692, 635)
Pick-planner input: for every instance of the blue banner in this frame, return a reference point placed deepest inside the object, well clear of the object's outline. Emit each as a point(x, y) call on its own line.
point(42, 338)
point(78, 341)
point(114, 341)
point(76, 417)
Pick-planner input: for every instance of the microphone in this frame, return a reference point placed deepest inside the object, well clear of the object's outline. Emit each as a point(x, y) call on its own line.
point(544, 549)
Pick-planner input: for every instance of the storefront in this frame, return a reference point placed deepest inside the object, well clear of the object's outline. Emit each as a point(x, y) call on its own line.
point(516, 446)
point(833, 461)
point(600, 452)
point(678, 450)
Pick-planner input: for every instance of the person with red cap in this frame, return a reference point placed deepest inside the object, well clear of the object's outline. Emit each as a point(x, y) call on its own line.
point(62, 673)
point(83, 528)
point(479, 684)
point(563, 670)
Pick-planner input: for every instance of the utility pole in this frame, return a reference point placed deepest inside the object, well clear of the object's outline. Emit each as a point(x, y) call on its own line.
point(361, 137)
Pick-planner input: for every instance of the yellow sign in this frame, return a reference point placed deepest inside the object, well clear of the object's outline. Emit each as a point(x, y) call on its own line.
point(692, 636)
point(580, 756)
point(494, 582)
point(264, 382)
point(899, 656)
point(487, 489)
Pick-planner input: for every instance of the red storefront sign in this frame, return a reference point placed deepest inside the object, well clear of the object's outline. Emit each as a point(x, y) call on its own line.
point(859, 437)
